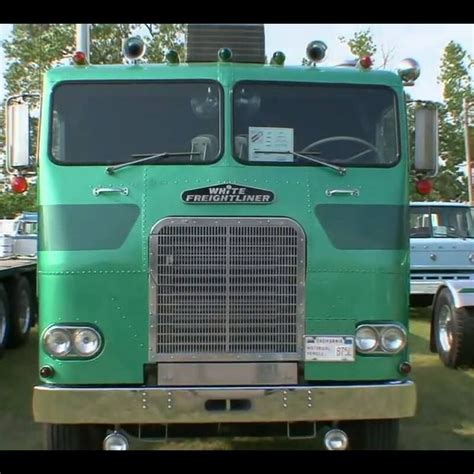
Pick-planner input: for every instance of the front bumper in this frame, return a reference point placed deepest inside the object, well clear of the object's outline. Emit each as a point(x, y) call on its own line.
point(423, 287)
point(223, 405)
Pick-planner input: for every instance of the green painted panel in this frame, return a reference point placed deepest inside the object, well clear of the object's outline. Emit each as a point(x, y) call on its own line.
point(365, 226)
point(118, 305)
point(86, 226)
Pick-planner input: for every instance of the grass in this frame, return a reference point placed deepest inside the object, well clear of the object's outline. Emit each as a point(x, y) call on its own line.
point(444, 420)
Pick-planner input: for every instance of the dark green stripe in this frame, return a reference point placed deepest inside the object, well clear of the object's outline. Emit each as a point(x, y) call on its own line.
point(86, 226)
point(365, 226)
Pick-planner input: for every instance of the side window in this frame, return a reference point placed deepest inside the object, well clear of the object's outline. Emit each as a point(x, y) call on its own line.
point(420, 226)
point(386, 139)
point(58, 137)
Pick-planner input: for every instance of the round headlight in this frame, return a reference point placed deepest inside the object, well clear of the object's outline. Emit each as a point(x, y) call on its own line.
point(392, 339)
point(366, 339)
point(86, 342)
point(57, 342)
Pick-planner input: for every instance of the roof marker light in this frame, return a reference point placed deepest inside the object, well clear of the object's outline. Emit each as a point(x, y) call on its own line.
point(172, 56)
point(224, 55)
point(79, 58)
point(366, 62)
point(278, 58)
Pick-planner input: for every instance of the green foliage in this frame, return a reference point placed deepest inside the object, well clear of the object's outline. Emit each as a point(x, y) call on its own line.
point(164, 37)
point(361, 44)
point(12, 204)
point(30, 50)
point(451, 182)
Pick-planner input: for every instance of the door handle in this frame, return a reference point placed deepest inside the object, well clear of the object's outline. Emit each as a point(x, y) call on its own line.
point(342, 192)
point(99, 191)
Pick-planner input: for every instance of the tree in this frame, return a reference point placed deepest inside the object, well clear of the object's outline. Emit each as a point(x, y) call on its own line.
point(451, 182)
point(361, 44)
point(13, 204)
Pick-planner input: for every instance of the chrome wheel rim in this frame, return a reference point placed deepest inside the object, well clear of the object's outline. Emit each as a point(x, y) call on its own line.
point(3, 323)
point(445, 330)
point(25, 312)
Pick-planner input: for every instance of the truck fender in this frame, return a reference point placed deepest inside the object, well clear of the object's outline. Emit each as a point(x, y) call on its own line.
point(463, 296)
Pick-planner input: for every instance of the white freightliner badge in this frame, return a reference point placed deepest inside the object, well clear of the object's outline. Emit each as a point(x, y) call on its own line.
point(227, 194)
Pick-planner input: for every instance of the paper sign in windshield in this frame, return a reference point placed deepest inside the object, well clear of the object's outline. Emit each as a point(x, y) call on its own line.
point(271, 144)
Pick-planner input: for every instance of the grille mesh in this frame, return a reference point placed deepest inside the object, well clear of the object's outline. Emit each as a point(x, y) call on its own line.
point(224, 286)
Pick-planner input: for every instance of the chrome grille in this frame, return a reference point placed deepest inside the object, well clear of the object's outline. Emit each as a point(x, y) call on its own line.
point(226, 288)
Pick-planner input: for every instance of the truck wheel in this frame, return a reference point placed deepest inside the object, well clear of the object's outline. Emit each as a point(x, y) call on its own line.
point(74, 437)
point(372, 434)
point(453, 332)
point(22, 312)
point(4, 319)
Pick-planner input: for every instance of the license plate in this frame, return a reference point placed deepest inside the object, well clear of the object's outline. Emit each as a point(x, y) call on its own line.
point(329, 348)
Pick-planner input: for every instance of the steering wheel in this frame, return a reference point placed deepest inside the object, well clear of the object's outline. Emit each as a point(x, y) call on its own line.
point(371, 147)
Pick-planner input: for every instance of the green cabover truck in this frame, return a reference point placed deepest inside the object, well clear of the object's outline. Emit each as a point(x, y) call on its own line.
point(224, 246)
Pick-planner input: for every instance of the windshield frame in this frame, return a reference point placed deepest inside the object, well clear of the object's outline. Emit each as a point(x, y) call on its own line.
point(396, 108)
point(221, 128)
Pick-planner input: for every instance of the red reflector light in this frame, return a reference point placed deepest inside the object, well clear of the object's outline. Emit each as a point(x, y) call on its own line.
point(366, 62)
point(79, 58)
point(19, 184)
point(424, 186)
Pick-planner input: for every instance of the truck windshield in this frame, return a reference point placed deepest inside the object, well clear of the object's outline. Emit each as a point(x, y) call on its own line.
point(106, 122)
point(346, 125)
point(441, 221)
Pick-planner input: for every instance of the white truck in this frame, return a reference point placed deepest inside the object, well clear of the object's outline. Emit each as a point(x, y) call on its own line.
point(18, 307)
point(442, 276)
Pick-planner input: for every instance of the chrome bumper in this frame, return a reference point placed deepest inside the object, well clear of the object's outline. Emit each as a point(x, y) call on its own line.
point(193, 405)
point(421, 287)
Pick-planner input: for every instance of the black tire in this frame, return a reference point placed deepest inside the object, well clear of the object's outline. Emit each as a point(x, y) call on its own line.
point(453, 330)
point(372, 434)
point(4, 319)
point(74, 437)
point(22, 308)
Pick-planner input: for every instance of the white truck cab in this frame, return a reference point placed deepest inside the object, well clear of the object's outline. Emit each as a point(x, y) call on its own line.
point(442, 275)
point(19, 236)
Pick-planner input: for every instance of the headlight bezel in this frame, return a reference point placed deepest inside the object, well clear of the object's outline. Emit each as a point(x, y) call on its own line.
point(376, 334)
point(403, 338)
point(72, 331)
point(380, 329)
point(49, 334)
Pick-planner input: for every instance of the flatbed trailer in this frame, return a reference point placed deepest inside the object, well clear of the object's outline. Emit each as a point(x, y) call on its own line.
point(18, 308)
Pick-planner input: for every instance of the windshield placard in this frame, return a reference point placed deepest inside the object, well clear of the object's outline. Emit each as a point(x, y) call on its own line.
point(271, 139)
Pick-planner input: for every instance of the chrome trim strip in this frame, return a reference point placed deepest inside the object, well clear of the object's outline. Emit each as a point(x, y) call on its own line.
point(188, 405)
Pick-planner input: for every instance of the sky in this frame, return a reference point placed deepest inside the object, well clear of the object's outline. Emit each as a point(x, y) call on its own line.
point(423, 42)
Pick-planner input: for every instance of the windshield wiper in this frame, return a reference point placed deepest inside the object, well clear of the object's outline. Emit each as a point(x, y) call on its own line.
point(340, 170)
point(144, 157)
